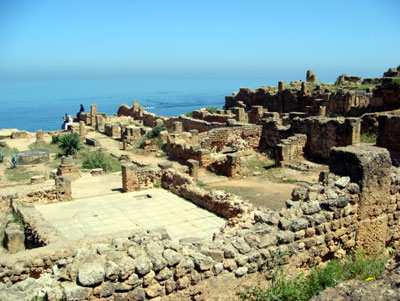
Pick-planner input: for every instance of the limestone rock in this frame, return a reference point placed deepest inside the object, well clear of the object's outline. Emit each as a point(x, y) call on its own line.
point(239, 272)
point(342, 182)
point(164, 274)
point(143, 265)
point(241, 245)
point(75, 292)
point(90, 274)
point(172, 257)
point(311, 208)
point(299, 224)
point(14, 238)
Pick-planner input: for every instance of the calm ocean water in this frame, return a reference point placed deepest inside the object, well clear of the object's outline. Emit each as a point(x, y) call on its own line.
point(41, 104)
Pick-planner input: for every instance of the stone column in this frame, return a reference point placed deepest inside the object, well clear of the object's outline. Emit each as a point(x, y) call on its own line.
point(235, 166)
point(240, 114)
point(100, 123)
point(135, 105)
point(63, 186)
point(159, 122)
point(281, 86)
point(194, 168)
point(39, 137)
point(129, 178)
point(177, 127)
point(93, 110)
point(82, 129)
point(352, 130)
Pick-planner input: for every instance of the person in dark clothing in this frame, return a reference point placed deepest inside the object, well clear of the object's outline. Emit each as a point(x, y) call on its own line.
point(81, 110)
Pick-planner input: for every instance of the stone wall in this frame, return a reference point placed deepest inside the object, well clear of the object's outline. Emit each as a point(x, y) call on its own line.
point(237, 138)
point(389, 135)
point(206, 116)
point(137, 178)
point(149, 119)
point(340, 102)
point(112, 130)
point(227, 165)
point(323, 133)
point(321, 221)
point(291, 148)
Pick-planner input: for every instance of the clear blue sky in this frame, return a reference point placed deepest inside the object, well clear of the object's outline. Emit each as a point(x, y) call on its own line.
point(270, 39)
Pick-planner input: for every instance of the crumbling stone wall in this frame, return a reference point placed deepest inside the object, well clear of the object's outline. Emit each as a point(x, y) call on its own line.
point(389, 135)
point(136, 178)
point(291, 148)
point(227, 165)
point(321, 221)
point(150, 119)
point(323, 133)
point(112, 130)
point(209, 117)
point(298, 98)
point(236, 137)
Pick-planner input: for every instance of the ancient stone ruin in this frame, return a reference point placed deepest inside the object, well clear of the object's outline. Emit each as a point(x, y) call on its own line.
point(355, 204)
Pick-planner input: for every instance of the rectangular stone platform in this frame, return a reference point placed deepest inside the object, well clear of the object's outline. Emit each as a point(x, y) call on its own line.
point(146, 209)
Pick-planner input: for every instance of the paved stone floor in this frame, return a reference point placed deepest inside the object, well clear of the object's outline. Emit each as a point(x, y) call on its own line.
point(146, 209)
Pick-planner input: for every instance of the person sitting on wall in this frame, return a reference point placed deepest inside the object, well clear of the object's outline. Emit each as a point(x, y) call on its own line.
point(81, 110)
point(67, 121)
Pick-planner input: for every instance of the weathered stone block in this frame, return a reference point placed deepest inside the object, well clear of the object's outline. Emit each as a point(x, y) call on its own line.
point(14, 238)
point(369, 167)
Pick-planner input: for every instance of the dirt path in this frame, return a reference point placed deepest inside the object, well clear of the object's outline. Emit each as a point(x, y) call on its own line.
point(260, 192)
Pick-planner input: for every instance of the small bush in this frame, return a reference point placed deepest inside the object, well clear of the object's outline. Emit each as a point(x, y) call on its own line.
point(97, 159)
point(393, 84)
point(14, 160)
point(354, 266)
point(55, 139)
point(70, 143)
point(212, 110)
point(368, 138)
point(158, 183)
point(154, 133)
point(189, 114)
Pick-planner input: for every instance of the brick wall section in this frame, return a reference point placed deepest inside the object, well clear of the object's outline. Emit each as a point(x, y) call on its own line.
point(389, 135)
point(137, 178)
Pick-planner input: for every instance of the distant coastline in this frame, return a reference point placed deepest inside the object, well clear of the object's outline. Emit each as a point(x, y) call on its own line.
point(41, 104)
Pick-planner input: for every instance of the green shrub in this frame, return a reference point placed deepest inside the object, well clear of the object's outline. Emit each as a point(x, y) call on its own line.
point(393, 84)
point(14, 160)
point(55, 139)
point(70, 143)
point(189, 114)
point(212, 110)
point(354, 266)
point(97, 159)
point(154, 133)
point(368, 138)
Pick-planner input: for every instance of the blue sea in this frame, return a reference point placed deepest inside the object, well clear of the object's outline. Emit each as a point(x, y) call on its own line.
point(41, 104)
